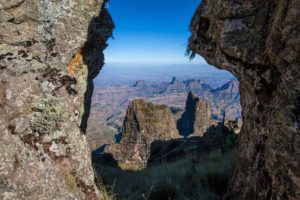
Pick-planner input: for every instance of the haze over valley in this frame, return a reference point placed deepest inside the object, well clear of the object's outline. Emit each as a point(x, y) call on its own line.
point(119, 84)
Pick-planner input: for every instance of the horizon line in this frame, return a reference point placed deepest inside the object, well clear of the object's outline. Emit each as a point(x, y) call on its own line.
point(158, 62)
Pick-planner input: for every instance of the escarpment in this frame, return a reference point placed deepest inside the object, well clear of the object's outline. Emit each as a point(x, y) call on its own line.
point(144, 123)
point(43, 153)
point(258, 41)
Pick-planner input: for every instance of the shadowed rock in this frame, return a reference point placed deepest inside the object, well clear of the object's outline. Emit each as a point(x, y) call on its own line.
point(258, 41)
point(197, 117)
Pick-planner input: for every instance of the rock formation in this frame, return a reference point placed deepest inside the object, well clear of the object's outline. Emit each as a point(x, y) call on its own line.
point(49, 53)
point(197, 117)
point(109, 103)
point(144, 123)
point(258, 41)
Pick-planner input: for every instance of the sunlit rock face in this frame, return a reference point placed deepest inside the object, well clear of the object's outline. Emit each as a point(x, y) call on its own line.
point(144, 123)
point(43, 153)
point(258, 41)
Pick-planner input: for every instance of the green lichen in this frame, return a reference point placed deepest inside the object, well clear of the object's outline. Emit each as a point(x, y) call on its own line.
point(48, 113)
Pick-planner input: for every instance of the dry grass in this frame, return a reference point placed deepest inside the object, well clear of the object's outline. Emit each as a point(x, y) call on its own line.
point(106, 191)
point(193, 178)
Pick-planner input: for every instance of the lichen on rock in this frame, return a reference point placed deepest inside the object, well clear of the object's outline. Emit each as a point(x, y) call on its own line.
point(43, 153)
point(49, 112)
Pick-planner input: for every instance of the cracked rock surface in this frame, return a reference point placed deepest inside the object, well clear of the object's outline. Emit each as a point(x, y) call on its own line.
point(259, 42)
point(43, 153)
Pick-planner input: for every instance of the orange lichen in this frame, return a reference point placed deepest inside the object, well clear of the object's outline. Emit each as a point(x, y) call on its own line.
point(77, 61)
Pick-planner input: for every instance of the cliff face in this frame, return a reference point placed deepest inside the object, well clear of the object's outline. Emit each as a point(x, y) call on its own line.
point(258, 41)
point(144, 123)
point(49, 53)
point(197, 117)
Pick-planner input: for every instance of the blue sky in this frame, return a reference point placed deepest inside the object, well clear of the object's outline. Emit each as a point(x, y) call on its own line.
point(152, 31)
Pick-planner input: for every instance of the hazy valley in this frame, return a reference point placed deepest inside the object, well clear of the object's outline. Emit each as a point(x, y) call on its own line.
point(111, 98)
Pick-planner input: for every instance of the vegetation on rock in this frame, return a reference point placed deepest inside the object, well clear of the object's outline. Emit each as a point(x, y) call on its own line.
point(48, 112)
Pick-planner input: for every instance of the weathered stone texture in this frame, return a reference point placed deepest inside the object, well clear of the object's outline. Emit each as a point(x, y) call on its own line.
point(259, 42)
point(144, 123)
point(43, 153)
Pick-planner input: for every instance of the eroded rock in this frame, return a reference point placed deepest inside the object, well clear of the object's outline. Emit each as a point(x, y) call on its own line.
point(144, 123)
point(197, 117)
point(258, 41)
point(43, 153)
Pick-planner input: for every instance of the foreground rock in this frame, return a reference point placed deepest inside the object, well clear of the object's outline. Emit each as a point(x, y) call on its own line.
point(144, 123)
point(197, 117)
point(258, 41)
point(43, 153)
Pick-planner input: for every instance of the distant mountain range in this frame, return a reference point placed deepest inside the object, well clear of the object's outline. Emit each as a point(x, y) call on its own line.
point(109, 103)
point(128, 73)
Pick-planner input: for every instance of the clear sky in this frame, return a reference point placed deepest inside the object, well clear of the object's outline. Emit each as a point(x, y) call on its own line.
point(150, 30)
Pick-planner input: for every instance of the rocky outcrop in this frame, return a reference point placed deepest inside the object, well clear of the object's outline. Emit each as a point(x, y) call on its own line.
point(258, 41)
point(49, 53)
point(197, 117)
point(216, 138)
point(144, 123)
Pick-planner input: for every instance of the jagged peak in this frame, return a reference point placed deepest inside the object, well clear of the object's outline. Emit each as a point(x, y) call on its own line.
point(139, 83)
point(229, 84)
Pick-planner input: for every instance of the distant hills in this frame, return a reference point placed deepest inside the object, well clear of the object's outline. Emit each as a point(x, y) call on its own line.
point(128, 73)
